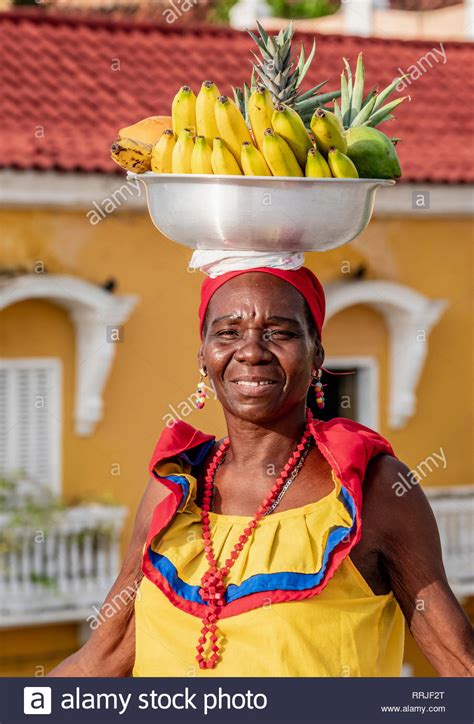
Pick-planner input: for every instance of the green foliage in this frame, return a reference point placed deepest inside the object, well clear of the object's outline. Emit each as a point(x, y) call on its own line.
point(298, 9)
point(219, 12)
point(26, 2)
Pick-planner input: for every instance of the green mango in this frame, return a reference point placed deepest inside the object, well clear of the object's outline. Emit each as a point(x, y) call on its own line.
point(373, 153)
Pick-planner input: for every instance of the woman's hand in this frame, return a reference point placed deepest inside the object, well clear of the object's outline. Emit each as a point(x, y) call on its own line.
point(110, 650)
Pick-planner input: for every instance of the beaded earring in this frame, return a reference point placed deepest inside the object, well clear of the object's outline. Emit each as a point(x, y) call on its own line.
point(318, 388)
point(201, 390)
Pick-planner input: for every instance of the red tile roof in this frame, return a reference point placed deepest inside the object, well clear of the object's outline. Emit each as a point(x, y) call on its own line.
point(63, 101)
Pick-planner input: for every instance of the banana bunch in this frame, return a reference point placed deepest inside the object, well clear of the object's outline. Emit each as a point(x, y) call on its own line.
point(208, 134)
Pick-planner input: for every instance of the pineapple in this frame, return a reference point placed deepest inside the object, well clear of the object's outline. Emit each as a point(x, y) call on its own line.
point(372, 152)
point(355, 110)
point(277, 71)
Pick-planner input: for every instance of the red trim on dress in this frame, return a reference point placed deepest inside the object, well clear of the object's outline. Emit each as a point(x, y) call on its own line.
point(348, 448)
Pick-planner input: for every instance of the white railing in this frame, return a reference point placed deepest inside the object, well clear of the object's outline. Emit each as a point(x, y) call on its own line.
point(454, 511)
point(58, 574)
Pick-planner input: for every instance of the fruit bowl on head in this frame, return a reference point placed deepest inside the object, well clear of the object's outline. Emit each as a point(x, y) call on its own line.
point(259, 213)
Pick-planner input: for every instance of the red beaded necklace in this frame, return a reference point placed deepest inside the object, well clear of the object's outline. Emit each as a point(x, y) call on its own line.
point(212, 587)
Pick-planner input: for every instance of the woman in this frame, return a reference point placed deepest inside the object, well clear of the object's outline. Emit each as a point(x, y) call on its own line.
point(281, 550)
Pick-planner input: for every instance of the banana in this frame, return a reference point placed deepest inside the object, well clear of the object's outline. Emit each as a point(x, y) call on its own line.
point(288, 124)
point(183, 110)
point(231, 124)
point(222, 160)
point(132, 155)
point(205, 115)
point(201, 156)
point(328, 131)
point(260, 109)
point(316, 165)
point(252, 161)
point(279, 156)
point(162, 152)
point(341, 165)
point(181, 155)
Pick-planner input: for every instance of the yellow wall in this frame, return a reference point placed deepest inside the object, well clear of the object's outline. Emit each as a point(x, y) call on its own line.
point(156, 364)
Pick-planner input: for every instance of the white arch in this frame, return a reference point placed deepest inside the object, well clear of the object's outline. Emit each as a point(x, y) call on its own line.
point(409, 317)
point(92, 310)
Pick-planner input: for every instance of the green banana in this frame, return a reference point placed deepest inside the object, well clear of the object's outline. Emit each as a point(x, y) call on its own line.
point(222, 160)
point(183, 110)
point(231, 124)
point(201, 156)
point(316, 165)
point(205, 115)
point(162, 152)
point(131, 155)
point(341, 165)
point(260, 109)
point(288, 124)
point(181, 156)
point(328, 131)
point(253, 162)
point(279, 156)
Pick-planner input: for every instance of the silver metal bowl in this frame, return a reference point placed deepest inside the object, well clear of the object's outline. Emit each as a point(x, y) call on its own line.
point(259, 213)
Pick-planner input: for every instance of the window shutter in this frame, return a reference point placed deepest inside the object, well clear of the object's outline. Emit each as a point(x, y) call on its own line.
point(30, 419)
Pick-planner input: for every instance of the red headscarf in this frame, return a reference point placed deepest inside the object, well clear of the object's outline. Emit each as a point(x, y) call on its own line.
point(302, 279)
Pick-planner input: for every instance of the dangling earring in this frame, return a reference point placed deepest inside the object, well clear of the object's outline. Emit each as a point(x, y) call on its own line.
point(318, 388)
point(201, 390)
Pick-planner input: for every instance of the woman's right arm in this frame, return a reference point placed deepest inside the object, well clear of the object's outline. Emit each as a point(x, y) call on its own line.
point(110, 650)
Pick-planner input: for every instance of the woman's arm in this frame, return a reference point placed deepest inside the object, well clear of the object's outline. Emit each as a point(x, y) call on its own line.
point(411, 551)
point(110, 650)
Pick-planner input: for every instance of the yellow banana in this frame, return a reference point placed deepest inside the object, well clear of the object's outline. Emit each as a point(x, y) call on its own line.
point(181, 156)
point(341, 165)
point(231, 124)
point(205, 115)
point(201, 156)
point(279, 156)
point(132, 155)
point(288, 124)
point(162, 152)
point(260, 109)
point(183, 110)
point(328, 131)
point(316, 165)
point(252, 161)
point(222, 160)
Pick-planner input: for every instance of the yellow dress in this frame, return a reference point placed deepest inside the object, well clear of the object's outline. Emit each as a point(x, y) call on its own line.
point(344, 630)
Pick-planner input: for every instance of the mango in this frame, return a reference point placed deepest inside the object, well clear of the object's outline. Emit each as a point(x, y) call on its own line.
point(148, 130)
point(372, 153)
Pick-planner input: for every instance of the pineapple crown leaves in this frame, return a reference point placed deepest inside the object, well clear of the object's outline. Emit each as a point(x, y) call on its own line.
point(355, 110)
point(276, 66)
point(281, 72)
point(241, 97)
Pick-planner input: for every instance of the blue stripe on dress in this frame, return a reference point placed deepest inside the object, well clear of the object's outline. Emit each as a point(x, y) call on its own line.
point(260, 582)
point(181, 481)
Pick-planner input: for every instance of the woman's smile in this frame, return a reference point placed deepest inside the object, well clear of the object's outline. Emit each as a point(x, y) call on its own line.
point(254, 386)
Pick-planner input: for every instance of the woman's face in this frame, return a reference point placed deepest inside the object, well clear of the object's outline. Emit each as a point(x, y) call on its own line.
point(258, 347)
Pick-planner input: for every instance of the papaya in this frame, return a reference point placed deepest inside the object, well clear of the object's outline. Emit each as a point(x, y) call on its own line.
point(148, 130)
point(372, 153)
